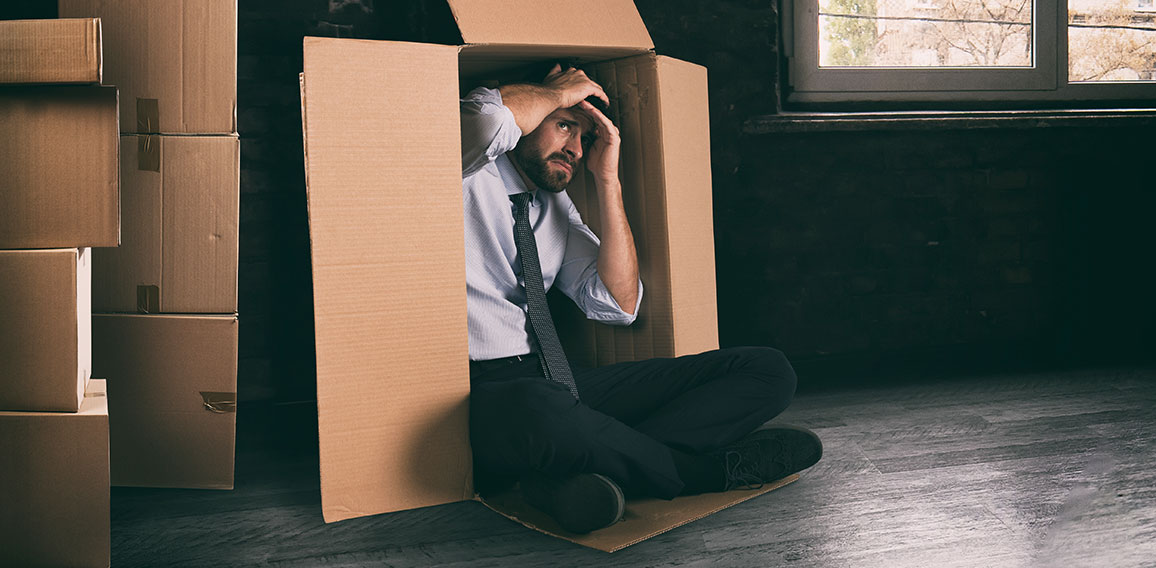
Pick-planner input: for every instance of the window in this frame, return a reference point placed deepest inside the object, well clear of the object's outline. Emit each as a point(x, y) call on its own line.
point(970, 50)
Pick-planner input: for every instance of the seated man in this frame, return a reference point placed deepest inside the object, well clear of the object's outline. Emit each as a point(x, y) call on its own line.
point(578, 440)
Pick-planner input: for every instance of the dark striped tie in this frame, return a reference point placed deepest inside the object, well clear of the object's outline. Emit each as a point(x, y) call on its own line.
point(553, 359)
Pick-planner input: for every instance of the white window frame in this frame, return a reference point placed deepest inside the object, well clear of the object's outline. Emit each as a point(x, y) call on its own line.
point(1045, 81)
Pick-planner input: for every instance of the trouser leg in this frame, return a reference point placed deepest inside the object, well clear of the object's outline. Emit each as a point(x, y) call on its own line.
point(696, 403)
point(523, 424)
point(630, 416)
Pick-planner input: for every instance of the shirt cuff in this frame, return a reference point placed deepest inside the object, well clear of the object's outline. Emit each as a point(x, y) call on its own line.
point(605, 308)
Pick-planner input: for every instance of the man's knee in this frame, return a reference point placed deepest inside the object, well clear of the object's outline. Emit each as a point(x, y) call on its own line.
point(771, 367)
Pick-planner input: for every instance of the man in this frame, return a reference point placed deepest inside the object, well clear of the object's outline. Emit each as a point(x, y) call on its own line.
point(578, 440)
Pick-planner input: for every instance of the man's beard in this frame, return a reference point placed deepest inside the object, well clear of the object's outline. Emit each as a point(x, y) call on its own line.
point(539, 172)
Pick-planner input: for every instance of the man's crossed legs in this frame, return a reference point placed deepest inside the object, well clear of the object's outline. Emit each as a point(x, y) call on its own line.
point(659, 427)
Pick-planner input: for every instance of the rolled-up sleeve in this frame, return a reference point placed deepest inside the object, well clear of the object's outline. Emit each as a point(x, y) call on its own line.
point(578, 277)
point(488, 129)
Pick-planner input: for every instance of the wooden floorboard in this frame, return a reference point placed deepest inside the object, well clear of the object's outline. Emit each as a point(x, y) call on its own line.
point(1016, 470)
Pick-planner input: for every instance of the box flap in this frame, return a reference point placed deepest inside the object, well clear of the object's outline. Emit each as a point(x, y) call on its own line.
point(383, 185)
point(644, 517)
point(601, 23)
point(660, 107)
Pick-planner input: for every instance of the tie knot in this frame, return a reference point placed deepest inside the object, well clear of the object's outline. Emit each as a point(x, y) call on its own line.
point(522, 199)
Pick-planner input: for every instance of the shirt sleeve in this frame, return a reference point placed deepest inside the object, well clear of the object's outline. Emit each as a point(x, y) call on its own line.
point(578, 277)
point(488, 129)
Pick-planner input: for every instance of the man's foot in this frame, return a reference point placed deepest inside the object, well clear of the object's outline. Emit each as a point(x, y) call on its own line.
point(769, 454)
point(580, 503)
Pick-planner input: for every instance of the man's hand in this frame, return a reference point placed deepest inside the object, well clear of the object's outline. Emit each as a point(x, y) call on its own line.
point(531, 104)
point(602, 156)
point(572, 86)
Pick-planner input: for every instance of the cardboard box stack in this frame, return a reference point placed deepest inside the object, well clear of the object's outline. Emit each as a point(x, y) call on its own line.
point(165, 301)
point(58, 197)
point(385, 221)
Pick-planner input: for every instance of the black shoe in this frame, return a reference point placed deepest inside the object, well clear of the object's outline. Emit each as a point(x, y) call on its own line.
point(769, 454)
point(580, 503)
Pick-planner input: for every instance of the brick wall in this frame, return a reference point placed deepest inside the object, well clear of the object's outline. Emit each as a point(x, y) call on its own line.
point(859, 253)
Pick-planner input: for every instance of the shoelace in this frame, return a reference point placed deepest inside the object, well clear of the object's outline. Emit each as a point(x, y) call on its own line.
point(741, 474)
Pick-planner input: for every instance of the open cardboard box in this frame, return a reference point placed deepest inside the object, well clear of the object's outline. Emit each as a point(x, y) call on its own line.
point(383, 178)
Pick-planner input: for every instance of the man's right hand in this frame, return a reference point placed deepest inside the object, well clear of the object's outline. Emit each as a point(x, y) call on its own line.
point(573, 86)
point(531, 103)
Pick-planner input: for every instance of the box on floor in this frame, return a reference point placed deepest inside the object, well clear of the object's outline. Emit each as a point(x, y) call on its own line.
point(50, 51)
point(388, 265)
point(45, 335)
point(175, 62)
point(179, 228)
point(58, 167)
point(54, 485)
point(172, 383)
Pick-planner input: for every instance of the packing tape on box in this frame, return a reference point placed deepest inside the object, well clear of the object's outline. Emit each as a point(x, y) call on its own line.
point(220, 402)
point(148, 299)
point(148, 153)
point(147, 115)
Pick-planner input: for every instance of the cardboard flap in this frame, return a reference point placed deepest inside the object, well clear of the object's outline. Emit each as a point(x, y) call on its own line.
point(383, 184)
point(601, 23)
point(644, 517)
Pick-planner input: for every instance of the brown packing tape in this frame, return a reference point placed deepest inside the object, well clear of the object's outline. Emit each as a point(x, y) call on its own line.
point(148, 153)
point(219, 402)
point(148, 299)
point(147, 115)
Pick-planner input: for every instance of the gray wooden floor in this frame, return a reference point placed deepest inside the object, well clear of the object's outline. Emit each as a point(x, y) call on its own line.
point(1031, 470)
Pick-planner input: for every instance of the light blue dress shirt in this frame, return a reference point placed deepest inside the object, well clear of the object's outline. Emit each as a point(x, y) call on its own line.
point(568, 249)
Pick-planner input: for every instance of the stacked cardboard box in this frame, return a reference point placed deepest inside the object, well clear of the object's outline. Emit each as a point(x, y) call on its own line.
point(58, 197)
point(165, 327)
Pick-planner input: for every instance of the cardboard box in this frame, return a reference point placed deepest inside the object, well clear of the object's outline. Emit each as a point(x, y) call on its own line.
point(54, 485)
point(172, 384)
point(50, 51)
point(180, 211)
point(58, 167)
point(45, 330)
point(386, 236)
point(175, 62)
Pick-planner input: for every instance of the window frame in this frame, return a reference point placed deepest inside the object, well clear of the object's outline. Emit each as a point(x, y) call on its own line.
point(1045, 82)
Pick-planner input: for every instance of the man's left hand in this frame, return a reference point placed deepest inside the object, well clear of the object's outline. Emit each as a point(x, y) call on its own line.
point(602, 156)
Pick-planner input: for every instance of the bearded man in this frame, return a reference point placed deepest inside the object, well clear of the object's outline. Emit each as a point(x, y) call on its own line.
point(577, 442)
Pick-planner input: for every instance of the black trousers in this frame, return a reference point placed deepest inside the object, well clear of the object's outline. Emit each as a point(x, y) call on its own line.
point(629, 418)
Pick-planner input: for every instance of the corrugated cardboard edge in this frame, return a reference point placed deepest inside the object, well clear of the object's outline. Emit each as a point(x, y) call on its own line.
point(614, 537)
point(97, 54)
point(83, 322)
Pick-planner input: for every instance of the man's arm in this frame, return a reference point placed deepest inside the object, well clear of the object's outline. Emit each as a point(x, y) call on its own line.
point(617, 257)
point(531, 104)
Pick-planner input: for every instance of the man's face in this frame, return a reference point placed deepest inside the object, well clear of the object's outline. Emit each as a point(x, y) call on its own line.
point(551, 154)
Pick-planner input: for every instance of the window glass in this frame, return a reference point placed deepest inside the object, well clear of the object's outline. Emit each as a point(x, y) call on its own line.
point(925, 33)
point(1111, 40)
